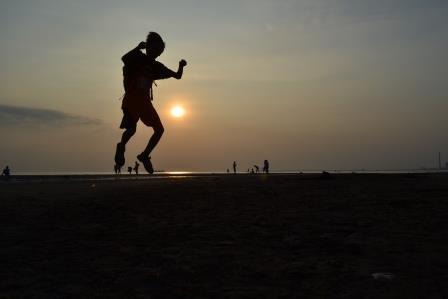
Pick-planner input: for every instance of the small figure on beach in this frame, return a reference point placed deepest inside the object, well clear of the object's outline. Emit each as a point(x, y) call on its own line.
point(266, 166)
point(140, 71)
point(6, 172)
point(228, 170)
point(117, 169)
point(325, 175)
point(234, 166)
point(257, 169)
point(137, 165)
point(130, 169)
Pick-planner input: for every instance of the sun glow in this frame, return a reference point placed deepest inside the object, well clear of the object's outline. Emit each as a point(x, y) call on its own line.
point(177, 111)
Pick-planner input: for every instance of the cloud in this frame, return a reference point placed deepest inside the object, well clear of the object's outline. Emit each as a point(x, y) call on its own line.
point(16, 115)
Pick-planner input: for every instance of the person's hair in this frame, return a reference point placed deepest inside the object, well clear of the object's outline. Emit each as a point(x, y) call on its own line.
point(156, 43)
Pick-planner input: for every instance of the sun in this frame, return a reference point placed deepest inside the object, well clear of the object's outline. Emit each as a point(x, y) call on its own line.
point(177, 111)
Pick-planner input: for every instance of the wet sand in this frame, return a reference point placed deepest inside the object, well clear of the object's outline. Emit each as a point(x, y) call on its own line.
point(225, 236)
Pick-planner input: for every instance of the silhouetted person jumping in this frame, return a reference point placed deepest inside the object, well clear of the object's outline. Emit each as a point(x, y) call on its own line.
point(140, 71)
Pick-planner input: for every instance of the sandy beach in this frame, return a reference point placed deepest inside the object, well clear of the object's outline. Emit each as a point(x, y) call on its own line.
point(225, 236)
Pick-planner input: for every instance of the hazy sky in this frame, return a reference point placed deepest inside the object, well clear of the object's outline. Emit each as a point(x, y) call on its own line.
point(307, 84)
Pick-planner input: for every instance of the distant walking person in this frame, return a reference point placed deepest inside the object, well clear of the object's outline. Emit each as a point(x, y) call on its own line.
point(140, 71)
point(136, 167)
point(257, 169)
point(6, 172)
point(266, 166)
point(234, 166)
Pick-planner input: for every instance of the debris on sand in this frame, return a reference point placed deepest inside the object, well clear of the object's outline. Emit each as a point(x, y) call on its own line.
point(383, 276)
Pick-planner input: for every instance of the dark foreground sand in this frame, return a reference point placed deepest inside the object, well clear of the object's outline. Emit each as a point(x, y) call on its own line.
point(225, 236)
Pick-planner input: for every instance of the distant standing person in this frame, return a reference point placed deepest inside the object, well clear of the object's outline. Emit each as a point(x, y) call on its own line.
point(117, 169)
point(140, 71)
point(6, 172)
point(234, 166)
point(130, 169)
point(266, 166)
point(136, 167)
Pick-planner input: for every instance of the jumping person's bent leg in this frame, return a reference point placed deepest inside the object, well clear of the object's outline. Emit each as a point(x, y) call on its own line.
point(144, 156)
point(154, 140)
point(150, 118)
point(121, 146)
point(130, 127)
point(127, 134)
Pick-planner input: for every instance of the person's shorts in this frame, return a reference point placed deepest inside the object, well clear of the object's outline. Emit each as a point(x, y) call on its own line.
point(147, 114)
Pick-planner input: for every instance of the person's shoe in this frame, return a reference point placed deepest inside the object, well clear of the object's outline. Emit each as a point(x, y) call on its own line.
point(119, 154)
point(146, 163)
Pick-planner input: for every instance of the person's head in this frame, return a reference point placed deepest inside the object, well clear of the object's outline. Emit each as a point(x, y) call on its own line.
point(154, 45)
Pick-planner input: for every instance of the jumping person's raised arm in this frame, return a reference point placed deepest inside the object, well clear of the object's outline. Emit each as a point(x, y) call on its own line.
point(180, 70)
point(129, 57)
point(162, 72)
